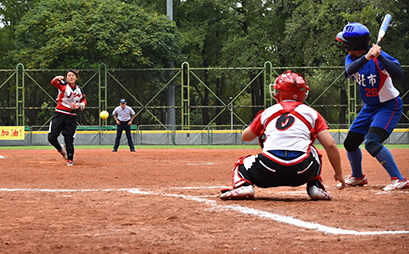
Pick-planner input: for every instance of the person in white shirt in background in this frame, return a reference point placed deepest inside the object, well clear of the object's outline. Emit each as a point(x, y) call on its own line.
point(123, 116)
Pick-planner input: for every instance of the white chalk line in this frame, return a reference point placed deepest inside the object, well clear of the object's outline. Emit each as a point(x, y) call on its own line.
point(237, 208)
point(200, 164)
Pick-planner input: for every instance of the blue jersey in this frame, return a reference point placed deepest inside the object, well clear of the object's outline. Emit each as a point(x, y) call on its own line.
point(375, 83)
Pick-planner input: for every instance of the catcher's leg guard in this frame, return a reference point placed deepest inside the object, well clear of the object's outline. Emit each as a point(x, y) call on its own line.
point(236, 178)
point(317, 181)
point(241, 187)
point(316, 189)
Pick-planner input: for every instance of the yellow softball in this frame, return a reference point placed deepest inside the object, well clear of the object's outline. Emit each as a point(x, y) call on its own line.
point(104, 114)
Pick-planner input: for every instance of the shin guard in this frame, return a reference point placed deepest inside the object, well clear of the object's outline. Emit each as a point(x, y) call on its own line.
point(237, 179)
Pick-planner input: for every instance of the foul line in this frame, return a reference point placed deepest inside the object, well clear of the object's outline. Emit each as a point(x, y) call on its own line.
point(236, 208)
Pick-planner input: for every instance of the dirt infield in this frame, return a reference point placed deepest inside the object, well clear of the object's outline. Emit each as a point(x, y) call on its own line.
point(166, 201)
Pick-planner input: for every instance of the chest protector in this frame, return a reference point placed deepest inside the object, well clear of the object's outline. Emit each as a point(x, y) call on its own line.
point(288, 108)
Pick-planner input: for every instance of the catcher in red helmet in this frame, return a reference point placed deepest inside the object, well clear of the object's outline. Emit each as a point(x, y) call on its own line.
point(288, 158)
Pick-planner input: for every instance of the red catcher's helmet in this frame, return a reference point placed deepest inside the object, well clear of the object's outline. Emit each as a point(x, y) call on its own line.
point(289, 86)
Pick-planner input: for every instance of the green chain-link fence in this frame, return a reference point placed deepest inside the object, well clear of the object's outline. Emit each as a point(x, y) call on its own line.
point(221, 98)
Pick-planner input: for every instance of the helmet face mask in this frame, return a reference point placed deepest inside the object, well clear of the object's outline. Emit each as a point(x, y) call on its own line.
point(289, 86)
point(353, 46)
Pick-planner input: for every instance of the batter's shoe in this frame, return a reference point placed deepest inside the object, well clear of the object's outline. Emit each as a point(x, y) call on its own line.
point(397, 184)
point(243, 192)
point(114, 150)
point(352, 181)
point(63, 151)
point(318, 194)
point(70, 163)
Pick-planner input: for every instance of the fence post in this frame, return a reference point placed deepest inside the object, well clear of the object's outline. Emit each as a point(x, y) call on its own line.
point(268, 79)
point(20, 95)
point(102, 91)
point(185, 80)
point(173, 136)
point(351, 101)
point(208, 135)
point(31, 135)
point(139, 137)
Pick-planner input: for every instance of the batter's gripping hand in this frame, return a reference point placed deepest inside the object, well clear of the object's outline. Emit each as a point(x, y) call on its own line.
point(77, 107)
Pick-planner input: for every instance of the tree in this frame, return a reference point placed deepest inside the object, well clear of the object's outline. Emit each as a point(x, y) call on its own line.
point(255, 31)
point(11, 12)
point(82, 34)
point(212, 33)
point(396, 43)
point(203, 34)
point(310, 39)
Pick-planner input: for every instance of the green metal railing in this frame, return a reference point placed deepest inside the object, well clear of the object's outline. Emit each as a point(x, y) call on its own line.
point(145, 88)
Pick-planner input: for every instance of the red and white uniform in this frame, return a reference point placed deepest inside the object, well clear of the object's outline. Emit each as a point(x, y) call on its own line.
point(66, 95)
point(288, 132)
point(289, 157)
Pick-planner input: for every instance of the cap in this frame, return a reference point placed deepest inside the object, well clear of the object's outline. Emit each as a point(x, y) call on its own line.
point(122, 101)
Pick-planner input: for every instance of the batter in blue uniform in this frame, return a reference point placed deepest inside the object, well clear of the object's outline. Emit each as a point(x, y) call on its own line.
point(373, 71)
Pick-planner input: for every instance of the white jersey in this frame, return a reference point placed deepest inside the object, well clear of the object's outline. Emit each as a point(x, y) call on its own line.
point(123, 115)
point(288, 131)
point(66, 95)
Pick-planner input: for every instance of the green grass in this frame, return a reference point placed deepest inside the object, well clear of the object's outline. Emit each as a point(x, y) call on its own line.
point(390, 146)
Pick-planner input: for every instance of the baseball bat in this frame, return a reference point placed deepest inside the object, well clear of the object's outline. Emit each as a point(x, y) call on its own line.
point(382, 29)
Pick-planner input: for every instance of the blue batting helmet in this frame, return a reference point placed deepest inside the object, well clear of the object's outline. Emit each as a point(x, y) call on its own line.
point(354, 36)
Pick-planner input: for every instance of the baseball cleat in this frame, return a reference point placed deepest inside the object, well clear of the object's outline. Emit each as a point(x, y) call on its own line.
point(352, 181)
point(70, 163)
point(397, 184)
point(63, 151)
point(243, 192)
point(318, 194)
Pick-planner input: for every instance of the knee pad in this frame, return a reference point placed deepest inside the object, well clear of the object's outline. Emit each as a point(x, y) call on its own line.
point(353, 141)
point(373, 143)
